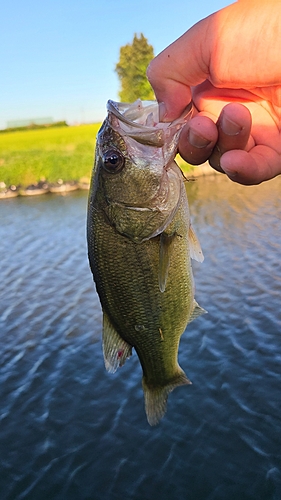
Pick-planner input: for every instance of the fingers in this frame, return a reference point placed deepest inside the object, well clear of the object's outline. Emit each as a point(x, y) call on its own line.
point(179, 98)
point(230, 148)
point(251, 167)
point(234, 127)
point(201, 139)
point(172, 93)
point(198, 139)
point(181, 65)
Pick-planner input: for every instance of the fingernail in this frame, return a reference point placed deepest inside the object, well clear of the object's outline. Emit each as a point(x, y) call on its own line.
point(228, 126)
point(162, 111)
point(230, 173)
point(197, 140)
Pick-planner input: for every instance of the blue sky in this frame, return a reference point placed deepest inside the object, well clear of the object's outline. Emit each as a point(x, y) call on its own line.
point(57, 57)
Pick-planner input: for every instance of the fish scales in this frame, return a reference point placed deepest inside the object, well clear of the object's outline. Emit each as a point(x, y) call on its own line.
point(144, 281)
point(133, 300)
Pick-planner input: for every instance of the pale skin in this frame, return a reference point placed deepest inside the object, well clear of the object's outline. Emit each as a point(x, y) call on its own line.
point(229, 64)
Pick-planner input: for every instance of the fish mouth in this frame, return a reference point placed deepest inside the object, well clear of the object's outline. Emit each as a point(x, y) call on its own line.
point(140, 121)
point(144, 113)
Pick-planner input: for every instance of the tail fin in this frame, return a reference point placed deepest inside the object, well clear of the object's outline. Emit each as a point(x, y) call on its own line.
point(155, 397)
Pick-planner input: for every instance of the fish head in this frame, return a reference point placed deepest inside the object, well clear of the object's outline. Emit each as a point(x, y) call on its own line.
point(138, 181)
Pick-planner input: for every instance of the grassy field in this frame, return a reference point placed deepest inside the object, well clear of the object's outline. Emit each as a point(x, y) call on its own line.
point(54, 153)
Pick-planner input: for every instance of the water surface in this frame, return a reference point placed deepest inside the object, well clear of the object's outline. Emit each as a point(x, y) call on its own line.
point(69, 430)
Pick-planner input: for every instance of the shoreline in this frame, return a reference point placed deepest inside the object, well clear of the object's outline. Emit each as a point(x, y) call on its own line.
point(43, 188)
point(63, 188)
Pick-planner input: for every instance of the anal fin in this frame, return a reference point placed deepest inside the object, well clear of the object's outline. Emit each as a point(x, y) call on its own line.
point(115, 349)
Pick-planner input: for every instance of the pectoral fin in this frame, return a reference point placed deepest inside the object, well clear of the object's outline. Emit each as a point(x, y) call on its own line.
point(115, 349)
point(195, 247)
point(166, 242)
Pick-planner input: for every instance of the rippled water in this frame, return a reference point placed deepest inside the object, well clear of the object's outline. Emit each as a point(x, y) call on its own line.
point(69, 430)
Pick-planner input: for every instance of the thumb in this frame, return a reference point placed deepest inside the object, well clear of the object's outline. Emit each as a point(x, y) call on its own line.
point(182, 64)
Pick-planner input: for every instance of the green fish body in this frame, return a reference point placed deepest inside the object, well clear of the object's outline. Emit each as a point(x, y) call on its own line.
point(140, 243)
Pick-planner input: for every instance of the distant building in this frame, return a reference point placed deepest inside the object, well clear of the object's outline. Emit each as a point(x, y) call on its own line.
point(31, 121)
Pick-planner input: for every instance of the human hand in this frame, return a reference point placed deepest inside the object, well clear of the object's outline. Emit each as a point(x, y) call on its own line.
point(229, 65)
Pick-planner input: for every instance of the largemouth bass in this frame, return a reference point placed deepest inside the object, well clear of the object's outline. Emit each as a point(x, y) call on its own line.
point(140, 242)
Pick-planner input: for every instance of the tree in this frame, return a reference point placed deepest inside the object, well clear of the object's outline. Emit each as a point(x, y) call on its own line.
point(131, 70)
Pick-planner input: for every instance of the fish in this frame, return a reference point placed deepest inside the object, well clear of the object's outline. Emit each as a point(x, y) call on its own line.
point(140, 245)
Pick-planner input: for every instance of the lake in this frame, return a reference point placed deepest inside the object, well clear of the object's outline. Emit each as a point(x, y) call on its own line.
point(69, 430)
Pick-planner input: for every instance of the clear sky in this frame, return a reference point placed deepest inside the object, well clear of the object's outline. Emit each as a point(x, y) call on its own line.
point(57, 57)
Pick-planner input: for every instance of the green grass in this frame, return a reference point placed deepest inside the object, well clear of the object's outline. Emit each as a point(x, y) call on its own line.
point(55, 153)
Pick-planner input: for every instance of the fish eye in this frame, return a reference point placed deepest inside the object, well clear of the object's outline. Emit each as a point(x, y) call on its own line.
point(113, 161)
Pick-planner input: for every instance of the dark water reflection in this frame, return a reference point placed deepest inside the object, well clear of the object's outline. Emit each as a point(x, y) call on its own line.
point(69, 430)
